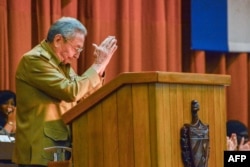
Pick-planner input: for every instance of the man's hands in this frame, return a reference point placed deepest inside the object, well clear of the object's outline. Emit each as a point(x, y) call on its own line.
point(244, 146)
point(232, 143)
point(10, 126)
point(103, 54)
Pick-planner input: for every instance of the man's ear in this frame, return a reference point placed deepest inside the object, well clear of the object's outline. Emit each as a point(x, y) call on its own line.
point(58, 40)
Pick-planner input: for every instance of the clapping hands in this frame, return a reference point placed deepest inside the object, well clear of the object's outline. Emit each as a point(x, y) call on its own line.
point(244, 146)
point(232, 144)
point(103, 53)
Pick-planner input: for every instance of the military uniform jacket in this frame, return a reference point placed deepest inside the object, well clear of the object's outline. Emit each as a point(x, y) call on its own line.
point(45, 90)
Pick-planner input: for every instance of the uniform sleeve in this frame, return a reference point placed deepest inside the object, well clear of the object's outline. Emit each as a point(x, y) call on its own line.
point(42, 74)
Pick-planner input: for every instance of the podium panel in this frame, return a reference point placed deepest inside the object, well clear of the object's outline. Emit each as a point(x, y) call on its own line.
point(135, 120)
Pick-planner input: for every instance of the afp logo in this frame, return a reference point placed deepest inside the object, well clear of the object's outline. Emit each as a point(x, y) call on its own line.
point(236, 158)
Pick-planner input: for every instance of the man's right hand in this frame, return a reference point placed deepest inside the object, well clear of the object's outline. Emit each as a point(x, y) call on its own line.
point(103, 54)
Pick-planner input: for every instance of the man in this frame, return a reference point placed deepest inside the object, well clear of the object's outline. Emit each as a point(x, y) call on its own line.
point(47, 87)
point(237, 136)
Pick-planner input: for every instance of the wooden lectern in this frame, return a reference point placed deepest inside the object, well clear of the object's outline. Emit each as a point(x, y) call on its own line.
point(135, 120)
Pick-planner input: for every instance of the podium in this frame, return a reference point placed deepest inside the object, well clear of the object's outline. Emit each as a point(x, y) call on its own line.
point(135, 119)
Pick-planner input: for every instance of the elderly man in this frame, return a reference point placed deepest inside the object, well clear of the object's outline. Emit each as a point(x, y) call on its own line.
point(47, 86)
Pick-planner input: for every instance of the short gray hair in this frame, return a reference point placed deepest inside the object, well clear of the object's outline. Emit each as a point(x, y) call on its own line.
point(67, 27)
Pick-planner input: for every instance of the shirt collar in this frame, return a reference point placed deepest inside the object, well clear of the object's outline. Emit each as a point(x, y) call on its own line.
point(50, 53)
